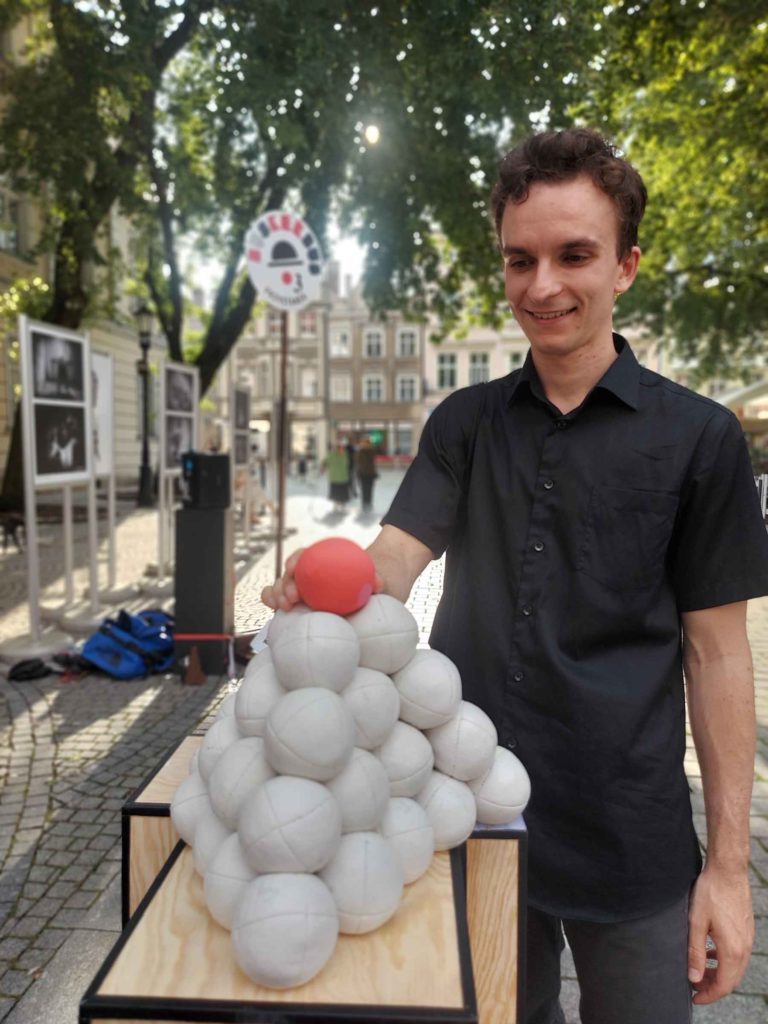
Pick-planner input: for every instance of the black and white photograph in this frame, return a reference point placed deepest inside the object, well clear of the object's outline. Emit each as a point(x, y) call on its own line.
point(57, 368)
point(179, 390)
point(59, 439)
point(242, 401)
point(178, 439)
point(241, 449)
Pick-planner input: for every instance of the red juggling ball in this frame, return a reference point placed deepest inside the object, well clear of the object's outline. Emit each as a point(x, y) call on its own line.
point(335, 575)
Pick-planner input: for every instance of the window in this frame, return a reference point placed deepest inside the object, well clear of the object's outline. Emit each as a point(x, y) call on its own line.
point(340, 347)
point(274, 323)
point(10, 240)
point(407, 342)
point(373, 344)
point(446, 370)
point(404, 439)
point(307, 324)
point(309, 384)
point(408, 388)
point(341, 387)
point(515, 359)
point(478, 367)
point(373, 388)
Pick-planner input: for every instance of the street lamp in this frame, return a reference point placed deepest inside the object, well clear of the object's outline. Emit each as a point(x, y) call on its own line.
point(143, 315)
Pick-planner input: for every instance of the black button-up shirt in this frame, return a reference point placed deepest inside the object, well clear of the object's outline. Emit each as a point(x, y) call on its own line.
point(573, 544)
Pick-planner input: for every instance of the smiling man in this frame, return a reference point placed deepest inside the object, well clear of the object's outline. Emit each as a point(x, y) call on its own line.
point(602, 532)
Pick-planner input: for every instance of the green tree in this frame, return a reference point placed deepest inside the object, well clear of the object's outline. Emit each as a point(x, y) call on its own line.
point(195, 117)
point(683, 86)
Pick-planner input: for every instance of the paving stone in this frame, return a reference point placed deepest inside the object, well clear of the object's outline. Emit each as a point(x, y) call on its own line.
point(33, 960)
point(755, 981)
point(62, 889)
point(75, 873)
point(28, 927)
point(10, 948)
point(733, 1009)
point(60, 858)
point(50, 938)
point(14, 983)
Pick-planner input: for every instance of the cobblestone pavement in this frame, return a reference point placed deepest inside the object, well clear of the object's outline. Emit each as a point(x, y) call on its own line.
point(70, 753)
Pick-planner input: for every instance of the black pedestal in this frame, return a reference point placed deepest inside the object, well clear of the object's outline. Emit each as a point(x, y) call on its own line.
point(205, 582)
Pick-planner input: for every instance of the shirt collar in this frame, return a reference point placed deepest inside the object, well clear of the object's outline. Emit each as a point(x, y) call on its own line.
point(622, 378)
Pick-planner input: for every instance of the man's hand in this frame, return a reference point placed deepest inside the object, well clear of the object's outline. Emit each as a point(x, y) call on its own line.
point(721, 907)
point(284, 594)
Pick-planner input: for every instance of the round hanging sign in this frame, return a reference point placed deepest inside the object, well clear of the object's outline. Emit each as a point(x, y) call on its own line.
point(284, 260)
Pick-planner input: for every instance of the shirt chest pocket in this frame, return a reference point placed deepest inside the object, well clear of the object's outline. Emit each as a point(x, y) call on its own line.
point(626, 535)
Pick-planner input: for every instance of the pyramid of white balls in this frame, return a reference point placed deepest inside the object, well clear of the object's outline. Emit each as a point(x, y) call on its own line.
point(326, 783)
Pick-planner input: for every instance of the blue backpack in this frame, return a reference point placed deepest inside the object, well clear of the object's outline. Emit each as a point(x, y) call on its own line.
point(132, 646)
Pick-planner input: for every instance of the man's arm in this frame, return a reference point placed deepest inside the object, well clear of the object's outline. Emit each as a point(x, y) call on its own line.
point(721, 707)
point(399, 559)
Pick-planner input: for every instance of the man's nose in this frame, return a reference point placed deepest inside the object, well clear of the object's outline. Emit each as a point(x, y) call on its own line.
point(545, 283)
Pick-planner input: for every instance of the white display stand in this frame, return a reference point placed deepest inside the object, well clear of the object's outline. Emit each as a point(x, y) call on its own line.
point(57, 453)
point(179, 432)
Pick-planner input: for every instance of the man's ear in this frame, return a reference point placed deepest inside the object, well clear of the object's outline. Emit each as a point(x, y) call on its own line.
point(627, 270)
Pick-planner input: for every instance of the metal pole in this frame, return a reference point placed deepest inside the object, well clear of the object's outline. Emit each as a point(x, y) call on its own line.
point(282, 437)
point(145, 498)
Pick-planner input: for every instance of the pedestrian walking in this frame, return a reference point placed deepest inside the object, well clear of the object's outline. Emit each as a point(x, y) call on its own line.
point(336, 464)
point(351, 451)
point(365, 463)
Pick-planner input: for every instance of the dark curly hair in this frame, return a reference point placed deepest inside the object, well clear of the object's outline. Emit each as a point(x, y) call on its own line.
point(562, 156)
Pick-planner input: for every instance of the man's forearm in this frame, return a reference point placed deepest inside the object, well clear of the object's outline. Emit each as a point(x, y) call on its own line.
point(399, 559)
point(722, 715)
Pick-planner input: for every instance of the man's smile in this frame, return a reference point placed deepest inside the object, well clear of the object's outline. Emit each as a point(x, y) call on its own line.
point(551, 315)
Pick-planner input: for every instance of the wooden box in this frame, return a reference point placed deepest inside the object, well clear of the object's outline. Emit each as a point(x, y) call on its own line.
point(174, 962)
point(494, 862)
point(147, 831)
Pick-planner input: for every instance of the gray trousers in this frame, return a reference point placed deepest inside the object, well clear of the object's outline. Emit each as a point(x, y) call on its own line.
point(630, 972)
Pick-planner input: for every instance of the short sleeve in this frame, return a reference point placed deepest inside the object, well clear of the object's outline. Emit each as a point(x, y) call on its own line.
point(429, 502)
point(720, 547)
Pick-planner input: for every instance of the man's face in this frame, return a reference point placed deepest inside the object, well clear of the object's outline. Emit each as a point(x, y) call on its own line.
point(561, 269)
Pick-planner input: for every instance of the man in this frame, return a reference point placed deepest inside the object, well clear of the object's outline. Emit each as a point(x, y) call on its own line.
point(602, 530)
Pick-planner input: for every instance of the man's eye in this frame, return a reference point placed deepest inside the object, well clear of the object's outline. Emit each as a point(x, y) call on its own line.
point(517, 264)
point(575, 257)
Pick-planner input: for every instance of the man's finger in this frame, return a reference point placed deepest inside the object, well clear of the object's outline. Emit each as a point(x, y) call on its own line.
point(697, 951)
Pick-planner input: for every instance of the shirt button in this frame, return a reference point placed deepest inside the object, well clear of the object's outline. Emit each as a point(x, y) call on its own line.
point(561, 424)
point(527, 610)
point(548, 485)
point(539, 545)
point(510, 744)
point(518, 677)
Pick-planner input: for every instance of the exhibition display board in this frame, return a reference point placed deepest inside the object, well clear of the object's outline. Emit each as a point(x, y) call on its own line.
point(57, 425)
point(240, 447)
point(179, 433)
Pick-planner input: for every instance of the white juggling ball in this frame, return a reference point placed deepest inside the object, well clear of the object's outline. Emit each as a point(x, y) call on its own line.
point(406, 828)
point(375, 705)
point(210, 833)
point(289, 825)
point(222, 734)
point(407, 758)
point(282, 619)
point(502, 793)
point(285, 929)
point(225, 880)
point(366, 881)
point(450, 808)
point(227, 706)
point(430, 690)
point(318, 649)
point(189, 802)
point(258, 694)
point(464, 747)
point(388, 633)
point(237, 773)
point(361, 790)
point(311, 733)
